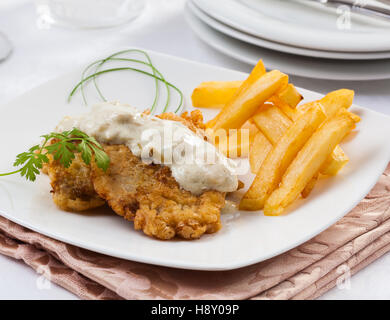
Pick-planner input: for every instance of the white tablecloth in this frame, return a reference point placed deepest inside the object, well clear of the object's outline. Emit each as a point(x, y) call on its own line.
point(42, 53)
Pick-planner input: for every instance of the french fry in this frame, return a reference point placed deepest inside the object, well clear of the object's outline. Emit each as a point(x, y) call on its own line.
point(214, 94)
point(258, 151)
point(336, 100)
point(333, 102)
point(290, 96)
point(275, 125)
point(280, 157)
point(272, 122)
point(237, 142)
point(211, 123)
point(309, 186)
point(355, 117)
point(257, 72)
point(248, 99)
point(251, 127)
point(308, 161)
point(290, 112)
point(335, 162)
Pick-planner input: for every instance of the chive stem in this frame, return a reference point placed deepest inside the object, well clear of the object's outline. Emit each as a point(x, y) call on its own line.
point(156, 74)
point(86, 79)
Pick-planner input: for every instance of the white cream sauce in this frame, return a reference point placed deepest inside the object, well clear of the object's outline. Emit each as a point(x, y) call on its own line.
point(195, 163)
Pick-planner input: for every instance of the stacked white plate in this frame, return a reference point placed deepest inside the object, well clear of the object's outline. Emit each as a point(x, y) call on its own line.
point(300, 37)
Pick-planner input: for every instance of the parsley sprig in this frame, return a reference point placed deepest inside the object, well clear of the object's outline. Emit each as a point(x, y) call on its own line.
point(63, 150)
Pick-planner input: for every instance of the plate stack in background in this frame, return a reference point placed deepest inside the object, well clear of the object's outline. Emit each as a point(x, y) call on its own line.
point(301, 37)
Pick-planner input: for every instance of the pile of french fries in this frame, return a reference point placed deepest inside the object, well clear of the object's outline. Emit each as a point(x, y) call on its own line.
point(290, 146)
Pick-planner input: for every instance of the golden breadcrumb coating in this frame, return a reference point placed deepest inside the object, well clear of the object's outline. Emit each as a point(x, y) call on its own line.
point(144, 193)
point(151, 197)
point(72, 187)
point(194, 120)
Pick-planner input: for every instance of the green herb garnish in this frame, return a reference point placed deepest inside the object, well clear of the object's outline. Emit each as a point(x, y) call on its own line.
point(116, 57)
point(63, 150)
point(64, 147)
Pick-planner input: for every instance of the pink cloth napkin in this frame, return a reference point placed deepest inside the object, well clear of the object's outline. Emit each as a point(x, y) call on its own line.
point(305, 272)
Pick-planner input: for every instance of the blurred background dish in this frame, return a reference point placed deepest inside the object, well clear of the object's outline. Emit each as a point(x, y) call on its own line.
point(291, 64)
point(374, 8)
point(302, 24)
point(5, 47)
point(246, 37)
point(89, 13)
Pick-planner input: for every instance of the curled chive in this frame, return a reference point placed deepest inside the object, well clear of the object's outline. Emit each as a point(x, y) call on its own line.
point(156, 74)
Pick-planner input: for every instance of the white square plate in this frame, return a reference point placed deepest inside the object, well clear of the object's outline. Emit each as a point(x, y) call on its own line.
point(246, 237)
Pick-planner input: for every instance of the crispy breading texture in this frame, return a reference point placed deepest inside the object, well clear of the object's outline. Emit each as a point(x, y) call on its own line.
point(144, 193)
point(72, 187)
point(151, 197)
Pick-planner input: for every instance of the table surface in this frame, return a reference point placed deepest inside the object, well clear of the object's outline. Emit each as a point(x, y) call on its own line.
point(42, 52)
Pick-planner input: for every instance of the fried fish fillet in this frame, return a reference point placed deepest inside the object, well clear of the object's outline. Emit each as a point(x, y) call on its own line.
point(151, 197)
point(144, 193)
